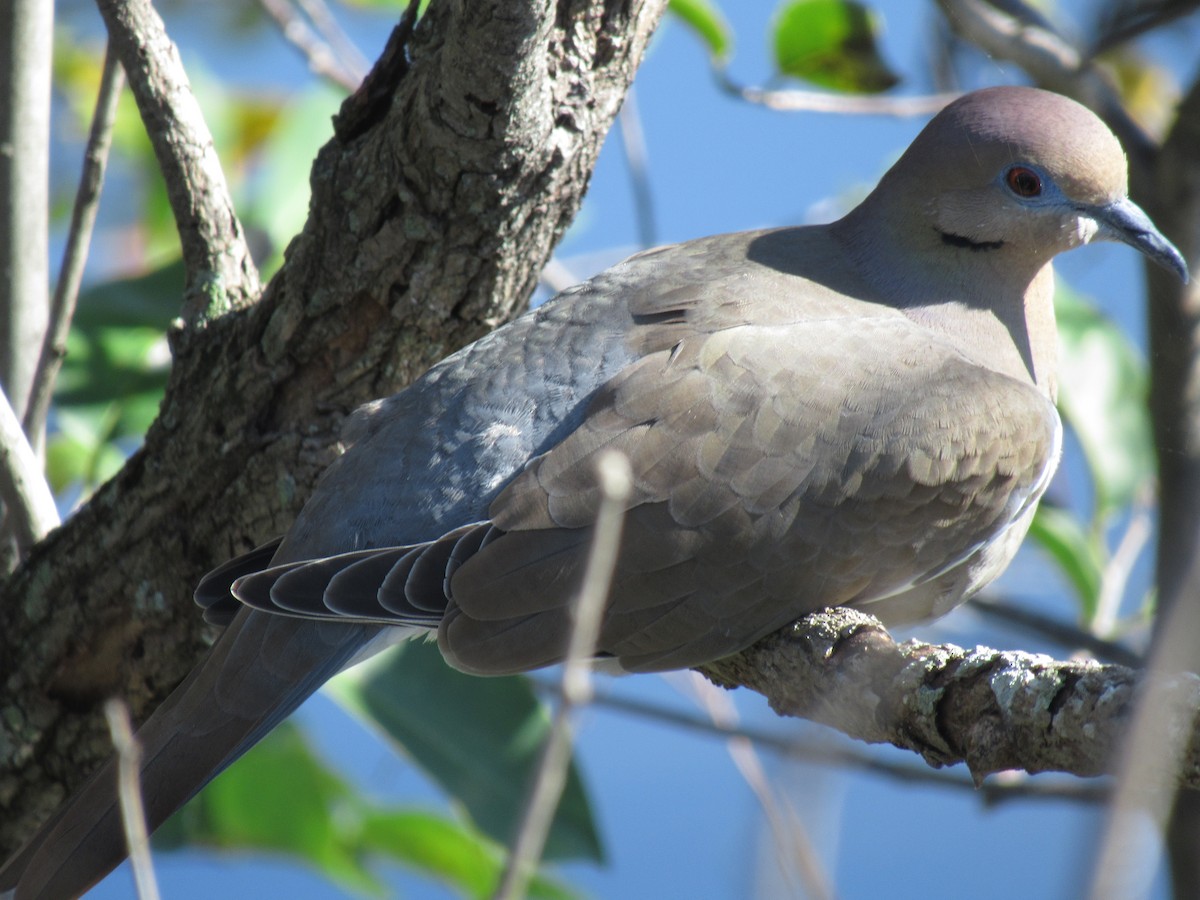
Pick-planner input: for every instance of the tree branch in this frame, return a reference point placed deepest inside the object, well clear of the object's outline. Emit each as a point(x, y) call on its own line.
point(1050, 61)
point(428, 226)
point(26, 39)
point(29, 505)
point(79, 238)
point(220, 275)
point(992, 710)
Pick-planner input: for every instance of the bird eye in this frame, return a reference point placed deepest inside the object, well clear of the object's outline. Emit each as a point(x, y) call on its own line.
point(1023, 182)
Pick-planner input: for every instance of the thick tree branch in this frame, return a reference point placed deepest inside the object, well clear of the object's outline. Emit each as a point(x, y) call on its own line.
point(220, 273)
point(428, 226)
point(992, 710)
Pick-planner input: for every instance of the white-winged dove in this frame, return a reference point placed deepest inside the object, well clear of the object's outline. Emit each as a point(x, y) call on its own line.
point(859, 413)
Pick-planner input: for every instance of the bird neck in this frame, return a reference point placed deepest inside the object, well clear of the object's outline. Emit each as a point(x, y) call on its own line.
point(993, 304)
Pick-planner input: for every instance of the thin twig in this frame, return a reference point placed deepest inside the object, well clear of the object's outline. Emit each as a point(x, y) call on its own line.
point(1160, 746)
point(129, 792)
point(1120, 565)
point(219, 273)
point(993, 792)
point(29, 505)
point(319, 55)
point(794, 847)
point(1052, 62)
point(352, 59)
point(556, 276)
point(633, 142)
point(1066, 635)
point(846, 104)
point(587, 611)
point(75, 254)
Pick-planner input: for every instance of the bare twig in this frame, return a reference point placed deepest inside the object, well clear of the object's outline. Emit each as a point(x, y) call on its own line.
point(347, 52)
point(794, 846)
point(133, 814)
point(321, 59)
point(1066, 635)
point(992, 793)
point(26, 44)
point(1161, 741)
point(1123, 22)
point(556, 276)
point(29, 505)
point(220, 275)
point(587, 610)
point(79, 238)
point(1120, 565)
point(846, 104)
point(633, 142)
point(1050, 60)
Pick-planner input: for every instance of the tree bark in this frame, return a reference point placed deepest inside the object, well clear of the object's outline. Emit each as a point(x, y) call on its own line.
point(992, 710)
point(430, 220)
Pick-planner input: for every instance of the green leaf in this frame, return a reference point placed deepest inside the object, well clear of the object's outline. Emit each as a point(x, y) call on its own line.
point(1103, 383)
point(83, 449)
point(479, 738)
point(282, 798)
point(831, 43)
point(446, 850)
point(112, 380)
point(707, 22)
point(279, 192)
point(1076, 552)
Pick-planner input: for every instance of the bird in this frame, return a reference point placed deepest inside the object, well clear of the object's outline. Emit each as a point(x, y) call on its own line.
point(859, 413)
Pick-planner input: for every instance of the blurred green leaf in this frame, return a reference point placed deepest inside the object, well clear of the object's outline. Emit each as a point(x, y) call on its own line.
point(1075, 550)
point(280, 797)
point(117, 352)
point(83, 450)
point(1103, 383)
point(706, 21)
point(831, 43)
point(113, 377)
point(256, 804)
point(445, 849)
point(477, 737)
point(278, 194)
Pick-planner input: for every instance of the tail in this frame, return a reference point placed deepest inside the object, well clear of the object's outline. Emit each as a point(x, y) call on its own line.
point(260, 669)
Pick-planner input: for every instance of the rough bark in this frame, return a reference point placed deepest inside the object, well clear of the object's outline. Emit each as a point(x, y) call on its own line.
point(992, 710)
point(428, 225)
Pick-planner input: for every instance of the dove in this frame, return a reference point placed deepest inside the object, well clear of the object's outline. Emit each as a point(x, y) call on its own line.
point(859, 413)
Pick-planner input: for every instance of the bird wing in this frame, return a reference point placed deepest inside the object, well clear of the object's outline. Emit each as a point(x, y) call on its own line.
point(776, 469)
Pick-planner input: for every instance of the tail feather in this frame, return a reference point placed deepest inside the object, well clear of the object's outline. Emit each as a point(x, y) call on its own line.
point(260, 669)
point(212, 593)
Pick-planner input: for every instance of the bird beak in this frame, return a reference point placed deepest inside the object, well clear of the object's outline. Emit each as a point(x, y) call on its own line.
point(1124, 221)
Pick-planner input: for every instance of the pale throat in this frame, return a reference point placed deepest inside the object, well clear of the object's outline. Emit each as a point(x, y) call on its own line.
point(1017, 338)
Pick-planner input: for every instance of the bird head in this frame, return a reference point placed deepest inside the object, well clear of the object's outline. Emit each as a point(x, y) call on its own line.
point(1022, 174)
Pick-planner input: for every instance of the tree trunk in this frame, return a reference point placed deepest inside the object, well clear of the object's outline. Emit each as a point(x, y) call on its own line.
point(454, 171)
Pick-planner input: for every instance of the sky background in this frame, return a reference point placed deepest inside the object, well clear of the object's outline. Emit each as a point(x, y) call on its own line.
point(678, 819)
